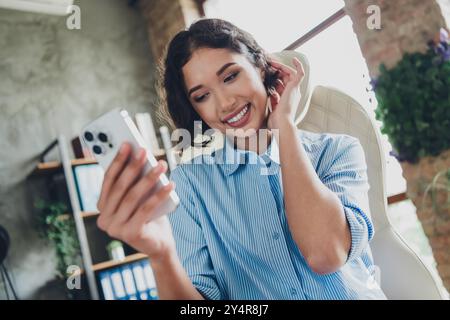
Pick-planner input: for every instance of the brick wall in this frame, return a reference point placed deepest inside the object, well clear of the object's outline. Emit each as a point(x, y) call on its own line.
point(165, 18)
point(406, 26)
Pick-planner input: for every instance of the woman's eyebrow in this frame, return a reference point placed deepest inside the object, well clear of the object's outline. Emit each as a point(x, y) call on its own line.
point(224, 67)
point(218, 73)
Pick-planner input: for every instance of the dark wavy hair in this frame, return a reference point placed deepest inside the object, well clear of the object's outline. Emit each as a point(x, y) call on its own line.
point(176, 109)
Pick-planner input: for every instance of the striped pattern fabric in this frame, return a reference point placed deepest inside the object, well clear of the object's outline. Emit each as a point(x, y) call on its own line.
point(232, 234)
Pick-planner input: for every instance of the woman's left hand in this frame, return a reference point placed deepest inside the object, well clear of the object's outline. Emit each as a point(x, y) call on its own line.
point(287, 97)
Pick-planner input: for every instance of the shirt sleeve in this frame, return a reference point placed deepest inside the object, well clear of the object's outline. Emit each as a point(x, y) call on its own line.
point(347, 178)
point(190, 241)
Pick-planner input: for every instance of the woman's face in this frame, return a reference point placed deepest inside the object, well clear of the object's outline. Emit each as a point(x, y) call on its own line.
point(226, 90)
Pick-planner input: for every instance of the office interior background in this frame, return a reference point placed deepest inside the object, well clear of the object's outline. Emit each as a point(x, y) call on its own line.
point(55, 78)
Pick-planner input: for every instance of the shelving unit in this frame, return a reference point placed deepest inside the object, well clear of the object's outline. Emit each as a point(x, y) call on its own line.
point(66, 166)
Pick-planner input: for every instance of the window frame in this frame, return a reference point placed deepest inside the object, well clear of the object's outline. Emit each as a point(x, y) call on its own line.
point(322, 26)
point(328, 22)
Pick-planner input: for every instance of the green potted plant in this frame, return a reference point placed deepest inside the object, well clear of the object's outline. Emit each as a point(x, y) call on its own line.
point(58, 228)
point(414, 107)
point(115, 250)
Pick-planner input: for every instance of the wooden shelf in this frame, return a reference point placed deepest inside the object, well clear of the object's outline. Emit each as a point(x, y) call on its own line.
point(46, 167)
point(397, 198)
point(112, 263)
point(88, 214)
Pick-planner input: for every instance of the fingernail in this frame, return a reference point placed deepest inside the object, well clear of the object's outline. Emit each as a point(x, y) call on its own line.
point(158, 167)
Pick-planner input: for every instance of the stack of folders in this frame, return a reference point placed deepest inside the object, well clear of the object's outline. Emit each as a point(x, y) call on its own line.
point(89, 179)
point(133, 281)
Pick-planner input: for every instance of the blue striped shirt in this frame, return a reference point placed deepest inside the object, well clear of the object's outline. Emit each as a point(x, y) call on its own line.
point(232, 234)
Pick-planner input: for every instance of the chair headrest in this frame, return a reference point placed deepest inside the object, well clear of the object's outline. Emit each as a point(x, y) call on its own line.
point(286, 57)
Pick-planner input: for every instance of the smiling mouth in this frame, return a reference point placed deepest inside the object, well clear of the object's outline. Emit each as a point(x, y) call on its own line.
point(237, 118)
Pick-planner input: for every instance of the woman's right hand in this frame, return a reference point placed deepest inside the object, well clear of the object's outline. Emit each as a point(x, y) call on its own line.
point(126, 210)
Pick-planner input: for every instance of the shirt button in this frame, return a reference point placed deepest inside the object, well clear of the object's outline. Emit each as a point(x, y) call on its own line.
point(276, 235)
point(293, 291)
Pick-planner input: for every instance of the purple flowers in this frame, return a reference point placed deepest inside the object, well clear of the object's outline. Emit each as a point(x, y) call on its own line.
point(373, 83)
point(441, 46)
point(443, 35)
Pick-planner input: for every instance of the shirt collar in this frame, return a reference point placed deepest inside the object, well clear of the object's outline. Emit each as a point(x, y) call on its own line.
point(231, 158)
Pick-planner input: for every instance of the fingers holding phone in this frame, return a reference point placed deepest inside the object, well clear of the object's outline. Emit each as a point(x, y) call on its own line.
point(128, 203)
point(135, 192)
point(123, 171)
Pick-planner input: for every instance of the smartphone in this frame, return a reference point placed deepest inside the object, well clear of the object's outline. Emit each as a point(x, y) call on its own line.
point(104, 137)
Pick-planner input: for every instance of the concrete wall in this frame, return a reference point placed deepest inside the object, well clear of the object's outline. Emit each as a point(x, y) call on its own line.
point(53, 80)
point(165, 19)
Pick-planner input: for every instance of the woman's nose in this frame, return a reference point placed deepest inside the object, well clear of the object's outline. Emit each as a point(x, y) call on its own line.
point(226, 102)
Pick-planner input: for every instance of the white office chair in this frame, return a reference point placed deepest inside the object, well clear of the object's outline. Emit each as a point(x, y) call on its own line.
point(403, 274)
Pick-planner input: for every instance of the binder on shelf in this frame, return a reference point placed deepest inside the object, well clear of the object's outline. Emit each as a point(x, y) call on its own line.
point(128, 279)
point(88, 179)
point(149, 279)
point(106, 285)
point(79, 150)
point(117, 283)
point(138, 273)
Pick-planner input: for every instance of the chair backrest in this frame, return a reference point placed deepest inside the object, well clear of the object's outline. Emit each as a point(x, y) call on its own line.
point(402, 273)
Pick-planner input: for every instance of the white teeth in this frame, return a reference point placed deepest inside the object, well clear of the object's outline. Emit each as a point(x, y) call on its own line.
point(239, 115)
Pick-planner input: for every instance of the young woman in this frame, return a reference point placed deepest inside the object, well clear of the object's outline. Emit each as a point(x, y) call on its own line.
point(300, 232)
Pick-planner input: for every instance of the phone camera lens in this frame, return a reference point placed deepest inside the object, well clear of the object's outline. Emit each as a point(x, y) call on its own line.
point(97, 150)
point(88, 136)
point(102, 137)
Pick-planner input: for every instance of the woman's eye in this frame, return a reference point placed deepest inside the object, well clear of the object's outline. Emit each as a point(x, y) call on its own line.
point(201, 98)
point(231, 77)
